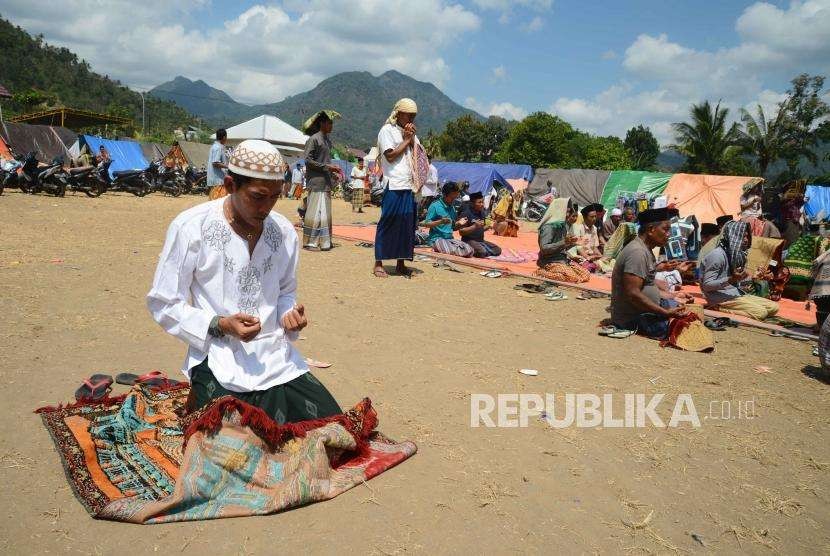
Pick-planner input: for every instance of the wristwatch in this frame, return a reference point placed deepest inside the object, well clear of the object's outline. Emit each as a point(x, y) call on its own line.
point(214, 329)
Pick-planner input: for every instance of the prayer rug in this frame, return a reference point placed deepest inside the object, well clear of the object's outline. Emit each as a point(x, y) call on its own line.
point(136, 458)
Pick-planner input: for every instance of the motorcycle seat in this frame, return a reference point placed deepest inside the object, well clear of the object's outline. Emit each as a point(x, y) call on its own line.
point(81, 170)
point(126, 173)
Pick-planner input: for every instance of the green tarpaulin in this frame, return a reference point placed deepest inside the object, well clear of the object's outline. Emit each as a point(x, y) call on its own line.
point(632, 181)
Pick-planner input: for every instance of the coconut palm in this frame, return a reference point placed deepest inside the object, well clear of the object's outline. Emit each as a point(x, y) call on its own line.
point(706, 141)
point(763, 139)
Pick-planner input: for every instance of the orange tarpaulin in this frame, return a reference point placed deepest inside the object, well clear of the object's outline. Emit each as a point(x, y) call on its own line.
point(4, 150)
point(517, 184)
point(706, 197)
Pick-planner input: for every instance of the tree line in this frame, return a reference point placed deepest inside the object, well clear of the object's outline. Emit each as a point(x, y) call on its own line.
point(797, 131)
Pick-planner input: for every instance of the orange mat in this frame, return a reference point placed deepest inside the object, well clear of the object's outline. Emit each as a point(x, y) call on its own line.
point(527, 242)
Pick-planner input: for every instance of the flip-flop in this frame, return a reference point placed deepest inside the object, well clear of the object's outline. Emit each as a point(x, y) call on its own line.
point(365, 244)
point(153, 379)
point(714, 325)
point(94, 388)
point(530, 288)
point(380, 273)
point(606, 330)
point(621, 334)
point(317, 364)
point(556, 296)
point(492, 274)
point(815, 351)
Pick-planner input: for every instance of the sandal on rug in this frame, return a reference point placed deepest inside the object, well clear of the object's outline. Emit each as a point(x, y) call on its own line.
point(151, 379)
point(94, 388)
point(555, 295)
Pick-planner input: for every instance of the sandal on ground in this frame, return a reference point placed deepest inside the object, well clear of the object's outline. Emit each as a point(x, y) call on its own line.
point(555, 295)
point(530, 288)
point(713, 324)
point(153, 379)
point(380, 273)
point(94, 388)
point(621, 333)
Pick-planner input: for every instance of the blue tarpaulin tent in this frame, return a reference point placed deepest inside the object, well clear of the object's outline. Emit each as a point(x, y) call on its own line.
point(126, 155)
point(817, 199)
point(481, 175)
point(515, 171)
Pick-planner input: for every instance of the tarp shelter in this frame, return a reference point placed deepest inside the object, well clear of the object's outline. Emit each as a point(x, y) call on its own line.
point(126, 155)
point(42, 139)
point(151, 151)
point(481, 176)
point(707, 197)
point(633, 181)
point(196, 153)
point(267, 128)
point(4, 150)
point(582, 186)
point(515, 171)
point(817, 201)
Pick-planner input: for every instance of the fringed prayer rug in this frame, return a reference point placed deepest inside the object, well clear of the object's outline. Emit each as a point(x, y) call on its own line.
point(135, 458)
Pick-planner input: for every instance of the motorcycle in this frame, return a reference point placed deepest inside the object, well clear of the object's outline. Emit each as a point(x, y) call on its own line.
point(533, 209)
point(35, 178)
point(164, 179)
point(196, 182)
point(85, 179)
point(128, 181)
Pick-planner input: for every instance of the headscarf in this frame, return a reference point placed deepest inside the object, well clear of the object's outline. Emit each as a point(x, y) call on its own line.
point(624, 233)
point(406, 105)
point(312, 125)
point(731, 240)
point(557, 211)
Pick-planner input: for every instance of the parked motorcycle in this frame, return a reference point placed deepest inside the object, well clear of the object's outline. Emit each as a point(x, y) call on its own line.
point(196, 181)
point(166, 180)
point(35, 178)
point(128, 181)
point(85, 179)
point(533, 209)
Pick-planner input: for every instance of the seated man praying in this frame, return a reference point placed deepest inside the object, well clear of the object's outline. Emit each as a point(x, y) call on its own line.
point(441, 221)
point(636, 301)
point(723, 270)
point(226, 285)
point(473, 233)
point(588, 249)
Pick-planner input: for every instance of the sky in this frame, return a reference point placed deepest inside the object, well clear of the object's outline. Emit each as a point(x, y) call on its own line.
point(602, 65)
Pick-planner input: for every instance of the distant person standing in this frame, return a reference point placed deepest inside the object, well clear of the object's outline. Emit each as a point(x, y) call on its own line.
point(319, 180)
point(395, 235)
point(429, 192)
point(358, 185)
point(218, 165)
point(297, 181)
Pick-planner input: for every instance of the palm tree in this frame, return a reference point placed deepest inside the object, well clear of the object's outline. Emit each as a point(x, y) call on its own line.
point(763, 139)
point(706, 141)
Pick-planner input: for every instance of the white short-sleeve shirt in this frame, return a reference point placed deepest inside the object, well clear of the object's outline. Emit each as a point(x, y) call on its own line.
point(399, 172)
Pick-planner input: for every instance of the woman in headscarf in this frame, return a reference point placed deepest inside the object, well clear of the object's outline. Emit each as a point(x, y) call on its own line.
point(319, 180)
point(554, 242)
point(405, 169)
point(723, 270)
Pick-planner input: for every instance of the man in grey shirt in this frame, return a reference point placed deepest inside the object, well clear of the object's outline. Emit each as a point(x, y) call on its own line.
point(636, 303)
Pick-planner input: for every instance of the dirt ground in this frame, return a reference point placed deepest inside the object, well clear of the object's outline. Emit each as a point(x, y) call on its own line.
point(75, 272)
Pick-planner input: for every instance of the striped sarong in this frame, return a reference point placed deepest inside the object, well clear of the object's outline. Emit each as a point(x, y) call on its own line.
point(452, 247)
point(317, 221)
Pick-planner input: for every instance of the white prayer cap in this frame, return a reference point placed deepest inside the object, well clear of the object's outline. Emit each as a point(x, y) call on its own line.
point(256, 158)
point(616, 212)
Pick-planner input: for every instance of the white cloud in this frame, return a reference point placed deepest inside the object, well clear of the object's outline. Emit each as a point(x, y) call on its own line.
point(504, 110)
point(609, 55)
point(499, 73)
point(664, 77)
point(506, 5)
point(534, 25)
point(263, 54)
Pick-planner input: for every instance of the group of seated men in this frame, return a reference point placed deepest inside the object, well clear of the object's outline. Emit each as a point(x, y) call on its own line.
point(442, 220)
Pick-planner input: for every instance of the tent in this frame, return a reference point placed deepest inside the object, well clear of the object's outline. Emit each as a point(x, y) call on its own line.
point(126, 155)
point(515, 171)
point(42, 139)
point(480, 175)
point(817, 201)
point(633, 181)
point(4, 150)
point(707, 197)
point(268, 128)
point(197, 154)
point(582, 186)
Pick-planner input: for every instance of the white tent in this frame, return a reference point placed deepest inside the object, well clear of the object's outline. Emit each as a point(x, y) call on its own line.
point(268, 128)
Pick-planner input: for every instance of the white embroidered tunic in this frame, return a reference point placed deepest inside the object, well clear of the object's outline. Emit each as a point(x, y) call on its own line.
point(205, 270)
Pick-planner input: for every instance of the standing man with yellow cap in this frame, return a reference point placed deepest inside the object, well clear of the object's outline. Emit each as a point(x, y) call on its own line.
point(226, 285)
point(397, 146)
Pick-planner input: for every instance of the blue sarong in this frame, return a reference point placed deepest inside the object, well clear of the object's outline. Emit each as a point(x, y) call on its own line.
point(395, 235)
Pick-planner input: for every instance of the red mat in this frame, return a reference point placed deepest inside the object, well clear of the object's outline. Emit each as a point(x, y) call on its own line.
point(527, 243)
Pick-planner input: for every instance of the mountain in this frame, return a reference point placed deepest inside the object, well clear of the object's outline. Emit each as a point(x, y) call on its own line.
point(363, 100)
point(197, 97)
point(41, 76)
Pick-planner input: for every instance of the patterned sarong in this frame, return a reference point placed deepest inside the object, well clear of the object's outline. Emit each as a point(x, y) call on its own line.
point(133, 458)
point(317, 220)
point(561, 272)
point(452, 247)
point(358, 195)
